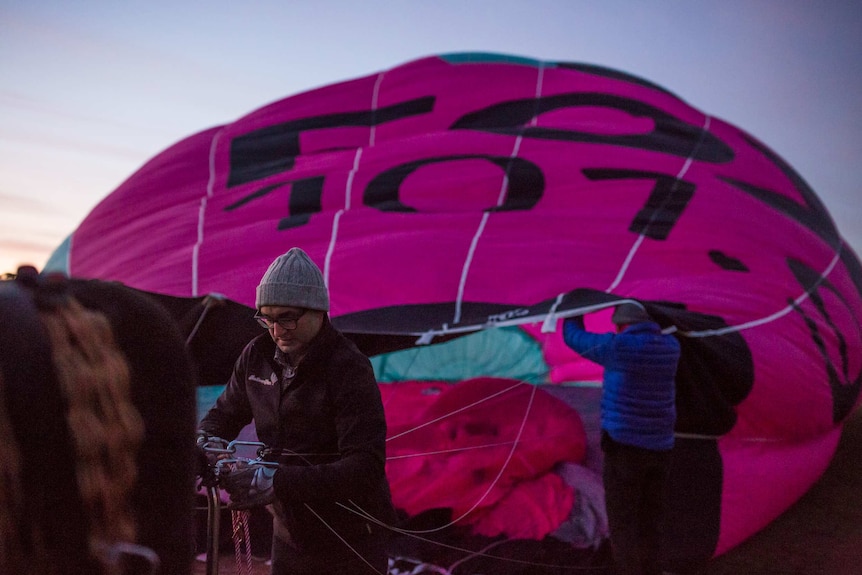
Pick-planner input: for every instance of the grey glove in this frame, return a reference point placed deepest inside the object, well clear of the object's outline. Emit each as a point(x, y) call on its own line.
point(249, 487)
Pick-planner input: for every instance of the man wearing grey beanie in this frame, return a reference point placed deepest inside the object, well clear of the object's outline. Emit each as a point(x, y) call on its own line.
point(315, 404)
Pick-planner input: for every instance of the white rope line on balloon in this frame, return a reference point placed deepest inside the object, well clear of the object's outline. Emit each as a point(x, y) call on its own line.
point(626, 263)
point(426, 337)
point(683, 170)
point(212, 164)
point(466, 268)
point(549, 321)
point(348, 188)
point(197, 247)
point(770, 318)
point(327, 260)
point(501, 197)
point(549, 324)
point(202, 213)
point(336, 219)
point(374, 99)
point(546, 318)
point(350, 176)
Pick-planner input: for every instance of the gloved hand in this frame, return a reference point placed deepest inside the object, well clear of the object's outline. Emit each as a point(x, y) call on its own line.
point(204, 469)
point(249, 486)
point(205, 460)
point(201, 437)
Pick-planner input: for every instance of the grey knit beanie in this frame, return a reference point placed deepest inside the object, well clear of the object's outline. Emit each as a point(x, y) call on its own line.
point(629, 313)
point(293, 280)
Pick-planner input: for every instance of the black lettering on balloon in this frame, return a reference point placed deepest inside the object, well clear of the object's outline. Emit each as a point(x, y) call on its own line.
point(526, 183)
point(272, 150)
point(845, 386)
point(665, 204)
point(253, 196)
point(727, 262)
point(304, 199)
point(670, 135)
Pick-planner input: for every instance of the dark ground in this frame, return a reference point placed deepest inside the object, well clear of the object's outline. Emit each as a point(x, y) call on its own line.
point(820, 535)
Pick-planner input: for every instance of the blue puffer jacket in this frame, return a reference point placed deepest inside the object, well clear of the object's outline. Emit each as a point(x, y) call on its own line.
point(640, 362)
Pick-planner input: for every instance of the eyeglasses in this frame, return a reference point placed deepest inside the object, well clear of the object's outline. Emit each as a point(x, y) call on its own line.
point(286, 321)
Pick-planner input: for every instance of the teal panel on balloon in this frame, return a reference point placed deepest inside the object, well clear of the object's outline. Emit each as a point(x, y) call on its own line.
point(501, 352)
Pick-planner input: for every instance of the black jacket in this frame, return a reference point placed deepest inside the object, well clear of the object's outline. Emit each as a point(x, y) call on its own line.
point(330, 420)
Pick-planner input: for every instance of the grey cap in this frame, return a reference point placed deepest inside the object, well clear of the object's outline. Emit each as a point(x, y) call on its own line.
point(628, 313)
point(293, 280)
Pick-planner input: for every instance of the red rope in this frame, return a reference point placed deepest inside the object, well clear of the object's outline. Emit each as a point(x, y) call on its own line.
point(241, 541)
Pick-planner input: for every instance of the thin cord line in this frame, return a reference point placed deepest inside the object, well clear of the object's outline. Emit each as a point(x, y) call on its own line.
point(450, 414)
point(342, 539)
point(499, 474)
point(473, 553)
point(443, 451)
point(683, 170)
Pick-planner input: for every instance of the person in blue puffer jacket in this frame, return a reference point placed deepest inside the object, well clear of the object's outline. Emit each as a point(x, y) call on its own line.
point(638, 417)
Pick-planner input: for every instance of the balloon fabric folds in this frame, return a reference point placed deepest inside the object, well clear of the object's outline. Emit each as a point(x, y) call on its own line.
point(482, 193)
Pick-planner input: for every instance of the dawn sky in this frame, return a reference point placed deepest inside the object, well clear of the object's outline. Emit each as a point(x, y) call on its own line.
point(90, 90)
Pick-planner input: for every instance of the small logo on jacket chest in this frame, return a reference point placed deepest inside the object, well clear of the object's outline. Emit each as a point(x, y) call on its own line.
point(271, 381)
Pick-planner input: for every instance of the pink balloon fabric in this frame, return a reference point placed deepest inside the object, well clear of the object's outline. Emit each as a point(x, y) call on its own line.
point(463, 190)
point(491, 461)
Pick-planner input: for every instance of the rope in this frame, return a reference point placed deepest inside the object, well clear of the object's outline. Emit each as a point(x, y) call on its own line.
point(241, 541)
point(211, 301)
